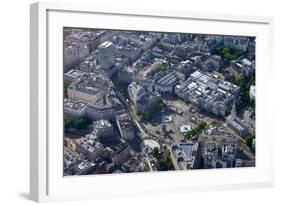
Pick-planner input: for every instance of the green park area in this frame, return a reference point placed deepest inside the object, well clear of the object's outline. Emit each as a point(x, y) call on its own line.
point(164, 159)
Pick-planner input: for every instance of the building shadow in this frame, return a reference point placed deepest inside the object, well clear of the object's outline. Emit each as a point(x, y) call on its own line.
point(24, 195)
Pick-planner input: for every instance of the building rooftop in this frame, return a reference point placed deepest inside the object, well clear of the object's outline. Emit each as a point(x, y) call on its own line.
point(100, 124)
point(90, 145)
point(105, 44)
point(74, 104)
point(185, 153)
point(125, 122)
point(117, 149)
point(203, 88)
point(85, 165)
point(70, 157)
point(168, 79)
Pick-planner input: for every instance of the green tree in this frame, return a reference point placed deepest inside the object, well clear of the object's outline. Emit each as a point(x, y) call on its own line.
point(68, 123)
point(78, 124)
point(245, 84)
point(225, 50)
point(249, 140)
point(156, 153)
point(164, 159)
point(227, 54)
point(166, 162)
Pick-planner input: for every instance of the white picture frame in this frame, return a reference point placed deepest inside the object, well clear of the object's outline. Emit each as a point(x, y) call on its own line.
point(46, 179)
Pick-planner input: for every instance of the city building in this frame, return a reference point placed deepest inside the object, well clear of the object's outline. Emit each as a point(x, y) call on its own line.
point(70, 158)
point(74, 54)
point(90, 147)
point(87, 66)
point(74, 75)
point(137, 91)
point(254, 144)
point(127, 74)
point(98, 92)
point(100, 112)
point(182, 50)
point(106, 52)
point(74, 108)
point(242, 68)
point(85, 167)
point(186, 155)
point(185, 68)
point(70, 144)
point(128, 51)
point(152, 69)
point(134, 164)
point(148, 103)
point(166, 83)
point(249, 118)
point(219, 151)
point(252, 92)
point(131, 46)
point(208, 92)
point(210, 63)
point(142, 96)
point(121, 154)
point(236, 124)
point(103, 129)
point(92, 38)
point(90, 90)
point(118, 154)
point(125, 126)
point(239, 43)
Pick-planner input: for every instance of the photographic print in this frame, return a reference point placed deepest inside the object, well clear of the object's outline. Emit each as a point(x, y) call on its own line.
point(145, 101)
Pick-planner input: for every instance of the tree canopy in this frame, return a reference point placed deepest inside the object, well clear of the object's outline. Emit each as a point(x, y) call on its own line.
point(249, 140)
point(227, 54)
point(164, 159)
point(78, 124)
point(245, 84)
